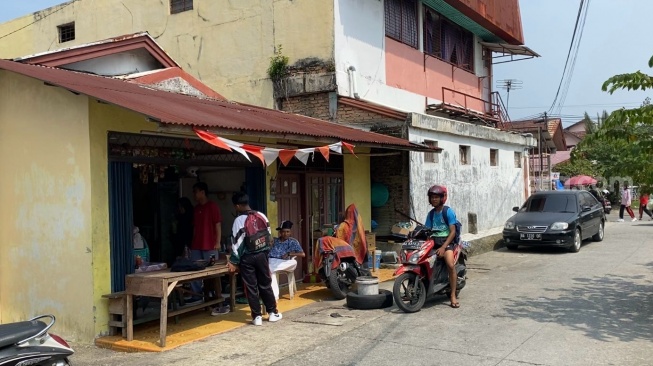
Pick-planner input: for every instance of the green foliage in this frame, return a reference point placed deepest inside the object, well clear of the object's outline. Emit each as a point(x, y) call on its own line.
point(278, 68)
point(622, 143)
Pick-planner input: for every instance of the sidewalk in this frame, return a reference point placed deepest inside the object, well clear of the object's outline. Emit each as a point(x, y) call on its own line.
point(199, 325)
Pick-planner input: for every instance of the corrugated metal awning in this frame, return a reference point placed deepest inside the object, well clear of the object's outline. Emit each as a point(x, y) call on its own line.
point(217, 115)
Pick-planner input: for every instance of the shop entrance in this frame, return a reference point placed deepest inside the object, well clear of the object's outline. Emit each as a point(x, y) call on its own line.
point(148, 175)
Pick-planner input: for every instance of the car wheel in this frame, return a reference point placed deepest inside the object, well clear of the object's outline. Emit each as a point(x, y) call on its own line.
point(578, 241)
point(512, 246)
point(599, 234)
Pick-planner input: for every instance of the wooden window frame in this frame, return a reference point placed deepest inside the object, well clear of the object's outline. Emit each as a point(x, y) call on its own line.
point(494, 157)
point(66, 32)
point(180, 6)
point(404, 35)
point(433, 39)
point(431, 157)
point(518, 159)
point(465, 154)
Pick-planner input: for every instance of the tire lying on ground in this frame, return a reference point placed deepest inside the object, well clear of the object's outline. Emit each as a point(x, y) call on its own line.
point(367, 302)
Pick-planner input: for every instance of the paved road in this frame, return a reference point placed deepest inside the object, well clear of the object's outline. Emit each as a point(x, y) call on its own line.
point(527, 307)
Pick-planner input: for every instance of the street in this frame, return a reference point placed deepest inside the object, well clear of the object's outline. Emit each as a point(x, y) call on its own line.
point(524, 307)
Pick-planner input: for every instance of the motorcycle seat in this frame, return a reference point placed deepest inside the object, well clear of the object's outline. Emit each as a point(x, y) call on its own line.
point(15, 332)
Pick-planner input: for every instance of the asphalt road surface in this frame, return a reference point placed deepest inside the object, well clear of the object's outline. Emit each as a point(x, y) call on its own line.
point(524, 307)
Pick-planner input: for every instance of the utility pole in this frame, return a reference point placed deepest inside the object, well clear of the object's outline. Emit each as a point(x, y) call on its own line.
point(546, 123)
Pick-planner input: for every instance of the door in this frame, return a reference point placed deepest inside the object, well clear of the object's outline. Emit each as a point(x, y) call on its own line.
point(326, 203)
point(290, 207)
point(585, 216)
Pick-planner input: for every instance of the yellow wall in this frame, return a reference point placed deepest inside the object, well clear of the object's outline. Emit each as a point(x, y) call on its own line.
point(102, 119)
point(226, 44)
point(46, 248)
point(358, 186)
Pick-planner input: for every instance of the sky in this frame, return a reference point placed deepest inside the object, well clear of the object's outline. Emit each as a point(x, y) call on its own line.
point(615, 40)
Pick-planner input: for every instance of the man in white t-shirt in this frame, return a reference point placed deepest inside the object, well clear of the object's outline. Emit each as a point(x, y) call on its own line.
point(249, 255)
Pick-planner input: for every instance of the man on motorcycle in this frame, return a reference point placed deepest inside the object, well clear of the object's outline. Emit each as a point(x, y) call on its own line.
point(444, 232)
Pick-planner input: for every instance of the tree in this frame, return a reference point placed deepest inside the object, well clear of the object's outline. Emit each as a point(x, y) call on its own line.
point(623, 142)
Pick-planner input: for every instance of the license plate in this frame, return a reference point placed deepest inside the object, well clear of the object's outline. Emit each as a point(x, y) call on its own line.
point(527, 236)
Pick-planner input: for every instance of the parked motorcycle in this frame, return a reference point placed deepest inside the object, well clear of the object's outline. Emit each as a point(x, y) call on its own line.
point(29, 343)
point(338, 266)
point(423, 275)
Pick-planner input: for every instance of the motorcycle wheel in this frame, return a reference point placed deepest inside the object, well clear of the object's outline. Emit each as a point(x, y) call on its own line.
point(338, 287)
point(409, 293)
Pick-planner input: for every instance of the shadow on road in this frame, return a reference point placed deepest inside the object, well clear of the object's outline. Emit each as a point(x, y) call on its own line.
point(602, 308)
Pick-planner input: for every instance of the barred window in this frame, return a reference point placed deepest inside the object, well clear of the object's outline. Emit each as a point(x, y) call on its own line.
point(178, 6)
point(448, 41)
point(66, 32)
point(401, 21)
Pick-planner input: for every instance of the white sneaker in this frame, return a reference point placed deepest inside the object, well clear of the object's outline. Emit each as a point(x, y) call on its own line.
point(258, 320)
point(275, 317)
point(620, 220)
point(634, 219)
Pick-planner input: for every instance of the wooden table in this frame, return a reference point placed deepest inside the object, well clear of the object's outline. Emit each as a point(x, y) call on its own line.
point(161, 283)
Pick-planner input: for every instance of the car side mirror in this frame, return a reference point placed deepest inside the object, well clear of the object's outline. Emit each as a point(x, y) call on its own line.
point(587, 208)
point(516, 209)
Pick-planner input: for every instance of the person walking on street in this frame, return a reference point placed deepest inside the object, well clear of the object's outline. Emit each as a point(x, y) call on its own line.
point(626, 200)
point(643, 202)
point(251, 238)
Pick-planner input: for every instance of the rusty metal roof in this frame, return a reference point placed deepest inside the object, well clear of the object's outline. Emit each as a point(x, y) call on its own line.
point(179, 109)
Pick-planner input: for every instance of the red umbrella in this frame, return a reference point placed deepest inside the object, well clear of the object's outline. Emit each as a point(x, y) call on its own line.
point(580, 180)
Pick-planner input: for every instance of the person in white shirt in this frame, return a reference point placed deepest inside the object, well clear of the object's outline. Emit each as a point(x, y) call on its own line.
point(626, 200)
point(251, 238)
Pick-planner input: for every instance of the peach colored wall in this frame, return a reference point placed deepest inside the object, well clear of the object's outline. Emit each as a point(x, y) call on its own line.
point(405, 69)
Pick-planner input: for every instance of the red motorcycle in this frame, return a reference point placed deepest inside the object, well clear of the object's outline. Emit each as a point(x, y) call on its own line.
point(423, 275)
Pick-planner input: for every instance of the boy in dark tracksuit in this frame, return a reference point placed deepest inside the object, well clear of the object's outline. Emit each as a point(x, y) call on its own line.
point(253, 265)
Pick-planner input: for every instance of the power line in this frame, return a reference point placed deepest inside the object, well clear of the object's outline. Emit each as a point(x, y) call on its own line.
point(570, 75)
point(571, 47)
point(587, 105)
point(38, 20)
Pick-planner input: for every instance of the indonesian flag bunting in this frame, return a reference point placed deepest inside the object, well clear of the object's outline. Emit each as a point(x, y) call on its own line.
point(268, 155)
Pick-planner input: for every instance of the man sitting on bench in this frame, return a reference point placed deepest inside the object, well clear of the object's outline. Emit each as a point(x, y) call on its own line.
point(283, 250)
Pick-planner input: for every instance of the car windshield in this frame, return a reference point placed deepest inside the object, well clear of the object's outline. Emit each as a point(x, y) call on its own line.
point(552, 203)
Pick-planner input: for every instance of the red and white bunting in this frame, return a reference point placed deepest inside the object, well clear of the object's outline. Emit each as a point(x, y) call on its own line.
point(268, 155)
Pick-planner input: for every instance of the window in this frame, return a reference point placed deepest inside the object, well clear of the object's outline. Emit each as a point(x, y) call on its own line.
point(494, 157)
point(517, 160)
point(179, 6)
point(464, 155)
point(431, 157)
point(401, 21)
point(448, 41)
point(66, 32)
point(551, 203)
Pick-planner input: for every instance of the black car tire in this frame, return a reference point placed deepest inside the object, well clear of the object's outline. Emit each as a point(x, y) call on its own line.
point(512, 246)
point(599, 235)
point(367, 302)
point(578, 241)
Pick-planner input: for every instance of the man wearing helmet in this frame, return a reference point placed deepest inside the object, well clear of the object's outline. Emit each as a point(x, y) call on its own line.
point(444, 232)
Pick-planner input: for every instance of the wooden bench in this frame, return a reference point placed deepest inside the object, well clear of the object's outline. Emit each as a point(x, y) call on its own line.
point(117, 313)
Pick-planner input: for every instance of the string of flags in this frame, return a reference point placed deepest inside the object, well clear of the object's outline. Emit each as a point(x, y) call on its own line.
point(267, 155)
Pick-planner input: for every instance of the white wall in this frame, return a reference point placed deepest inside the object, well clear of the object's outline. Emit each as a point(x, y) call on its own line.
point(118, 64)
point(360, 42)
point(488, 191)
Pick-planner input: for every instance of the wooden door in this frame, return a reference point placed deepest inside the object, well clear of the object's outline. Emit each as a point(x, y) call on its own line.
point(290, 207)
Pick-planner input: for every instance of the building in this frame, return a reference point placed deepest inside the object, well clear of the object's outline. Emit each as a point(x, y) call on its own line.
point(92, 156)
point(551, 148)
point(416, 70)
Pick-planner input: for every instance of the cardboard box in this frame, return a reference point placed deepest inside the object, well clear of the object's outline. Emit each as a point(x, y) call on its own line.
point(403, 228)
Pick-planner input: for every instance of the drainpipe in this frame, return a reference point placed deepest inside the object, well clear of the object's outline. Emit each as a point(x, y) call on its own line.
point(353, 90)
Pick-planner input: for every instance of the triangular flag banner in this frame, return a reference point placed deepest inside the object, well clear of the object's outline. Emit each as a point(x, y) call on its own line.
point(325, 152)
point(349, 147)
point(212, 139)
point(268, 155)
point(256, 151)
point(286, 156)
point(302, 156)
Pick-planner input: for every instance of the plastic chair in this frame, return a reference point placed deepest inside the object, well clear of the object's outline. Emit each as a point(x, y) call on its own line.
point(290, 275)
